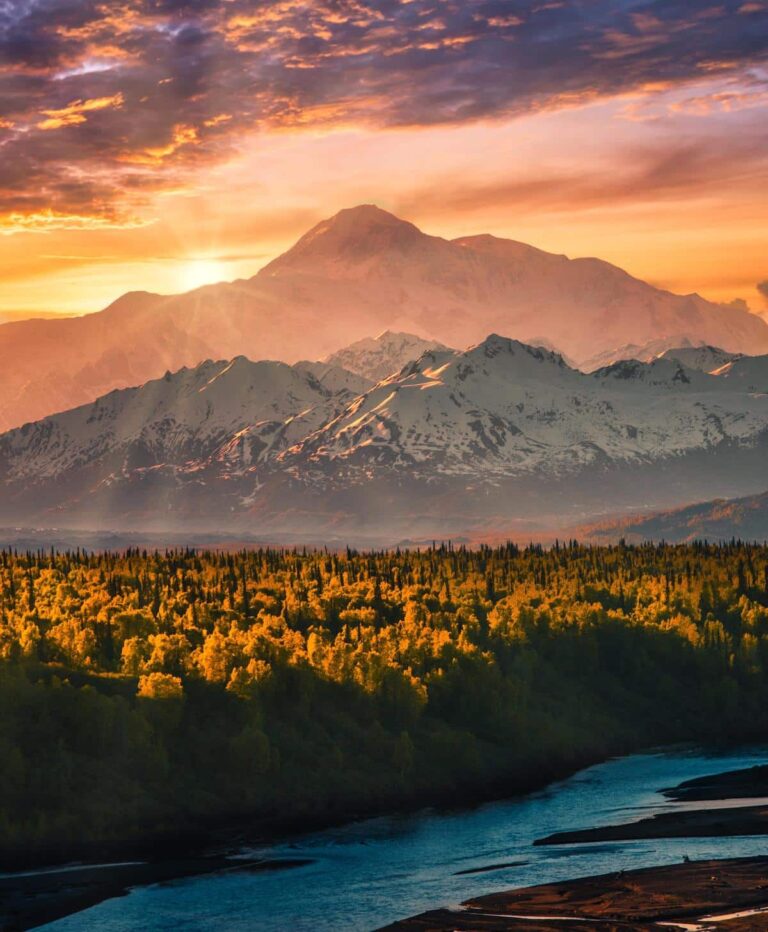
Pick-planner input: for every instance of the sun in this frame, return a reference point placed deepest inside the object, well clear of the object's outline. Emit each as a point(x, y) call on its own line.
point(196, 272)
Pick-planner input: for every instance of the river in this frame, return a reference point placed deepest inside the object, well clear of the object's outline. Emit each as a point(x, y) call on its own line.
point(369, 873)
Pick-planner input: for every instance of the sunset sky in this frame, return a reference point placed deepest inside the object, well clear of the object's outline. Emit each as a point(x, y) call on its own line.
point(161, 144)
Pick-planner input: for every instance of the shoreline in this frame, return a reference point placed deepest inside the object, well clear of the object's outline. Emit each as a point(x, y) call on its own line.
point(226, 833)
point(219, 834)
point(34, 898)
point(42, 885)
point(689, 896)
point(744, 812)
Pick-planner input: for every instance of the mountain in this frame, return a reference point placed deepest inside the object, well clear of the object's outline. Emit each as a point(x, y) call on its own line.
point(457, 291)
point(487, 438)
point(648, 351)
point(695, 354)
point(705, 358)
point(503, 408)
point(8, 316)
point(742, 518)
point(336, 379)
point(376, 358)
point(213, 420)
point(360, 272)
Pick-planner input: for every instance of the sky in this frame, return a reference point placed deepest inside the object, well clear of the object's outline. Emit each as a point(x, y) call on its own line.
point(163, 144)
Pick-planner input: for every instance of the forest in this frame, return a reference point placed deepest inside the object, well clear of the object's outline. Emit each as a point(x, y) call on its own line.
point(146, 694)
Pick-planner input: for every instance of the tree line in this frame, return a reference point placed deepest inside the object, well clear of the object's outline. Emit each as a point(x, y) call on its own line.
point(146, 693)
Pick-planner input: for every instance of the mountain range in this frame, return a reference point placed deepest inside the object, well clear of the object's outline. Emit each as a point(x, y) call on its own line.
point(742, 518)
point(356, 274)
point(453, 442)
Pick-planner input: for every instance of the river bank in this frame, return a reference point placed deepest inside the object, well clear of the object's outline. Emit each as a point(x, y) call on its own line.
point(732, 894)
point(734, 803)
point(30, 899)
point(45, 884)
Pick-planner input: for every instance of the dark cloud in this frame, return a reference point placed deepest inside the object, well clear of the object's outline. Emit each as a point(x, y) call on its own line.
point(184, 79)
point(762, 287)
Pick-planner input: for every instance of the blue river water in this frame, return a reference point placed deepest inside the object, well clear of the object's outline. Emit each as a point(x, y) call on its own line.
point(367, 874)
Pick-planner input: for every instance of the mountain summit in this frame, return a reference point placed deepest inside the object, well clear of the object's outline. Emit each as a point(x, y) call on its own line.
point(356, 274)
point(348, 239)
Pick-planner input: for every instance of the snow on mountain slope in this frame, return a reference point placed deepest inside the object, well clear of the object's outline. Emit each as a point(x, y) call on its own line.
point(704, 358)
point(358, 273)
point(644, 353)
point(662, 372)
point(506, 409)
point(698, 366)
point(384, 355)
point(694, 354)
point(237, 412)
point(452, 441)
point(336, 378)
point(744, 374)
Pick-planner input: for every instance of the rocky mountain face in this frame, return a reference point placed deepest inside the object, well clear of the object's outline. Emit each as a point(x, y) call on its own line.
point(356, 274)
point(499, 433)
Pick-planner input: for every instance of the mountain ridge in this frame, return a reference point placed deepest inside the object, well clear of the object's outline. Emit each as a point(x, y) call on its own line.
point(360, 272)
point(745, 518)
point(455, 440)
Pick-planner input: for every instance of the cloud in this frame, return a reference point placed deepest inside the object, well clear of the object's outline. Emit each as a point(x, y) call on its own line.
point(762, 287)
point(96, 97)
point(76, 111)
point(48, 220)
point(668, 171)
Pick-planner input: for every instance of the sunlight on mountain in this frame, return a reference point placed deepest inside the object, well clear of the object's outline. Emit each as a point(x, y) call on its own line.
point(197, 272)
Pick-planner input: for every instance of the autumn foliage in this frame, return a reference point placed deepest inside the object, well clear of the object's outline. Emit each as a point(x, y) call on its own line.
point(144, 693)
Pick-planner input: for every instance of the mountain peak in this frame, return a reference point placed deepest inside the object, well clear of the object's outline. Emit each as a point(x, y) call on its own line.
point(381, 356)
point(495, 344)
point(351, 237)
point(366, 215)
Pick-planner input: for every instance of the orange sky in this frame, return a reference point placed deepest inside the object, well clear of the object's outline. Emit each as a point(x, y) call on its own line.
point(130, 188)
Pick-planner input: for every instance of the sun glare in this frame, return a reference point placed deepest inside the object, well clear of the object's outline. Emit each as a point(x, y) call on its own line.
point(197, 272)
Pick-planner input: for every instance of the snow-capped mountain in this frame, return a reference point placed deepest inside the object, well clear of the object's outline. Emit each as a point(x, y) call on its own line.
point(356, 274)
point(709, 359)
point(453, 442)
point(744, 374)
point(503, 408)
point(236, 413)
point(336, 379)
point(675, 343)
point(381, 356)
point(693, 354)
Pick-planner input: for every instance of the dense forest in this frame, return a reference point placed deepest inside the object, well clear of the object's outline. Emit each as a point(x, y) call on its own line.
point(143, 694)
